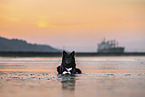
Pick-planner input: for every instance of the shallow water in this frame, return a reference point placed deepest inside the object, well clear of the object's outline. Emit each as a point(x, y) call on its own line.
point(102, 77)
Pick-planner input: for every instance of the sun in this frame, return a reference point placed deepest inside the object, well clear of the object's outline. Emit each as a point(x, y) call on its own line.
point(42, 24)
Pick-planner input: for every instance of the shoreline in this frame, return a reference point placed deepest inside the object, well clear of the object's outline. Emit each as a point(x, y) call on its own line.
point(59, 54)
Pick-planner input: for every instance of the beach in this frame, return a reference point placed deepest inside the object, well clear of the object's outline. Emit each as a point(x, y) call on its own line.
point(116, 76)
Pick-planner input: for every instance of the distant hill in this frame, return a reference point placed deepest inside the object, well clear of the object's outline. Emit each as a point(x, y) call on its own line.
point(16, 45)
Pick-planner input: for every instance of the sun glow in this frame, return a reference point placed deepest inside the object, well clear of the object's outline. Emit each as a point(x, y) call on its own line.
point(42, 24)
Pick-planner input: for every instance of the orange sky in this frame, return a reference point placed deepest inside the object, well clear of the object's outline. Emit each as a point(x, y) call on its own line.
point(76, 24)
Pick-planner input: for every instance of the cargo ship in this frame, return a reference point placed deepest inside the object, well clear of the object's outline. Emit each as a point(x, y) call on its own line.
point(110, 46)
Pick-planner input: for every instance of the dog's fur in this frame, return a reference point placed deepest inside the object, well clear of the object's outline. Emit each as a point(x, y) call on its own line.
point(68, 65)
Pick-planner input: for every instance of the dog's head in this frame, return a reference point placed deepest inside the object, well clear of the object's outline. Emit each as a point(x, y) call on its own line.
point(68, 60)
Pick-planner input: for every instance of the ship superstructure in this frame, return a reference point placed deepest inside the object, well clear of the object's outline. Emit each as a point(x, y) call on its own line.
point(110, 46)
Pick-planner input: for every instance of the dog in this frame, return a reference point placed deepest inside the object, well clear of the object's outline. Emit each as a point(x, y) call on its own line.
point(68, 65)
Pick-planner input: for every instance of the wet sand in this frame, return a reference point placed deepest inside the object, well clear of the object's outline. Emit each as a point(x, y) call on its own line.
point(102, 77)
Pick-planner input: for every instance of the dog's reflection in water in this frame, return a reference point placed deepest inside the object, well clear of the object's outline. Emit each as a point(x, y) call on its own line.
point(68, 82)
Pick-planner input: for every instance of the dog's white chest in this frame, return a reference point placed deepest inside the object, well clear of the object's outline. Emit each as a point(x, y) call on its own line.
point(68, 71)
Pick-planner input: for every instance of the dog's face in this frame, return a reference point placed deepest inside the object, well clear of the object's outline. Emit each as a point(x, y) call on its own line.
point(68, 60)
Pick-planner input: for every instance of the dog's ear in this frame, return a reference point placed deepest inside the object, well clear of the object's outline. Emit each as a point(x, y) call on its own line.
point(73, 53)
point(64, 53)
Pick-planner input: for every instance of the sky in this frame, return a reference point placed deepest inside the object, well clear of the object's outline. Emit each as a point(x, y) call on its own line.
point(75, 24)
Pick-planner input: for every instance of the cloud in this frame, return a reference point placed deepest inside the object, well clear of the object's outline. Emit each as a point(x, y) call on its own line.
point(44, 24)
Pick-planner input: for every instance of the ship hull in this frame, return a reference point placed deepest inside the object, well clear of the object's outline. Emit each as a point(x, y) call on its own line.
point(112, 50)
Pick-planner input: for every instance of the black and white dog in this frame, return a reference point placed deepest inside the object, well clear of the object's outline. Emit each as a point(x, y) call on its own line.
point(68, 65)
